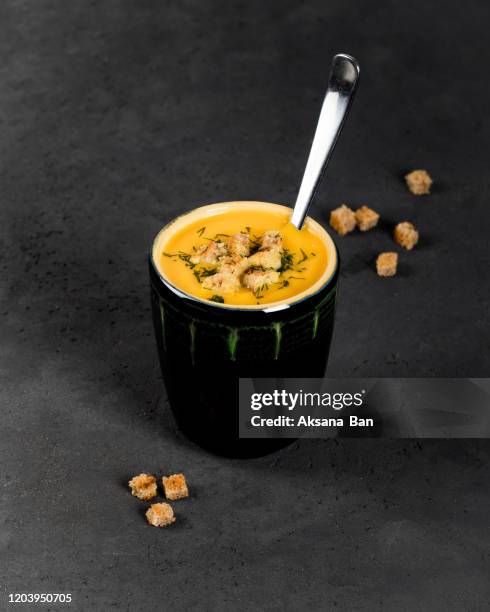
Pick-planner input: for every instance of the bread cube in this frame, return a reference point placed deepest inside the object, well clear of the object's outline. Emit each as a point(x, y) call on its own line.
point(260, 280)
point(406, 235)
point(419, 182)
point(209, 254)
point(175, 486)
point(272, 239)
point(239, 245)
point(226, 282)
point(160, 515)
point(366, 218)
point(143, 486)
point(386, 264)
point(343, 220)
point(269, 259)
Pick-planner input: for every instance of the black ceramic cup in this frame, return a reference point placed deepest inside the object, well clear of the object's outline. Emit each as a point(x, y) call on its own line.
point(205, 347)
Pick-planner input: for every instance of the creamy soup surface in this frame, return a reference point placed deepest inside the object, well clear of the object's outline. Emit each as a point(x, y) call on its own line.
point(243, 257)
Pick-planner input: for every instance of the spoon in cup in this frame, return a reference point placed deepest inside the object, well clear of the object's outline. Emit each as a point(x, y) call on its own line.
point(342, 82)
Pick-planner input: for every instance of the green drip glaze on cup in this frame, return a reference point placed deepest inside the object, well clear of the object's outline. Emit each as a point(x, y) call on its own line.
point(233, 336)
point(277, 327)
point(316, 316)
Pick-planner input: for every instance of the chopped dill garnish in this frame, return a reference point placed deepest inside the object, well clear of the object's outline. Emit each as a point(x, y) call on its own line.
point(313, 254)
point(254, 244)
point(186, 258)
point(200, 231)
point(217, 298)
point(304, 258)
point(285, 283)
point(258, 291)
point(216, 237)
point(169, 254)
point(286, 261)
point(296, 278)
point(208, 272)
point(200, 273)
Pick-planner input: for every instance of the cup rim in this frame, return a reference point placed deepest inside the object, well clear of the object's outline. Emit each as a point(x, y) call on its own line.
point(265, 308)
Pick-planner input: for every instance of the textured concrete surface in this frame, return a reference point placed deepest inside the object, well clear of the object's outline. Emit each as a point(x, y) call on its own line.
point(116, 115)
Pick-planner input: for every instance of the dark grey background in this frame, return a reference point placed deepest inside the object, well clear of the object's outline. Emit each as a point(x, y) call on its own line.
point(117, 115)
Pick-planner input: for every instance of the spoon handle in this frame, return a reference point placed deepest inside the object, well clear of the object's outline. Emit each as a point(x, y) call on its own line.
point(342, 82)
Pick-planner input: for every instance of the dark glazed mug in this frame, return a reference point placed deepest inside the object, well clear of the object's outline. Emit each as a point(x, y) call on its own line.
point(205, 347)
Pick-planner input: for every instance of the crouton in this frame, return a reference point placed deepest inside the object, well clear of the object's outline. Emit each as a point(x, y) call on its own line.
point(272, 239)
point(226, 281)
point(419, 182)
point(343, 220)
point(406, 235)
point(175, 486)
point(239, 245)
point(386, 264)
point(269, 259)
point(257, 280)
point(160, 515)
point(143, 486)
point(209, 254)
point(366, 218)
point(234, 265)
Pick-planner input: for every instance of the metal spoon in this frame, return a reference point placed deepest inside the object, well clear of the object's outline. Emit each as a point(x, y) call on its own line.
point(342, 82)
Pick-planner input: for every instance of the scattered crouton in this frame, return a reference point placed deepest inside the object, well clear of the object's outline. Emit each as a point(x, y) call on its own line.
point(406, 235)
point(366, 218)
point(343, 220)
point(419, 182)
point(258, 280)
point(143, 486)
point(175, 486)
point(386, 264)
point(160, 515)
